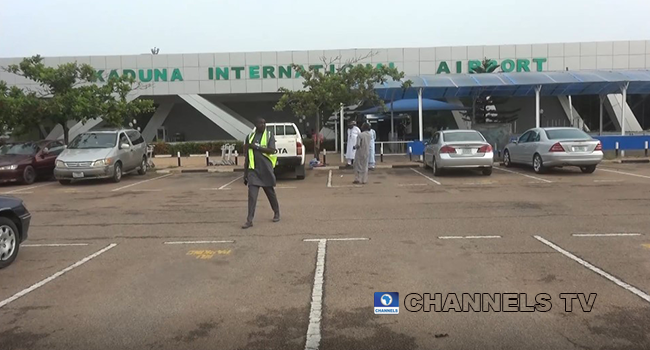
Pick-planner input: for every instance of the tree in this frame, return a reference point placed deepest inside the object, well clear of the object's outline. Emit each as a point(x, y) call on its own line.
point(67, 93)
point(326, 89)
point(116, 109)
point(484, 107)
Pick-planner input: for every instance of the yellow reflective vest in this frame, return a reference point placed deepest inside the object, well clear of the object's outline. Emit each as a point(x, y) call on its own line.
point(263, 143)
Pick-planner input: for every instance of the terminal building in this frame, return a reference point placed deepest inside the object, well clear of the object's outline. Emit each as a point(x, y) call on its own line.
point(217, 96)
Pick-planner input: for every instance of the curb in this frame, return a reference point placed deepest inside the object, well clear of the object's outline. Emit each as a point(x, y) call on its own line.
point(633, 161)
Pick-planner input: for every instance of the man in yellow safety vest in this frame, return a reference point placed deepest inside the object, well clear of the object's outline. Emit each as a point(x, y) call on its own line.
point(259, 148)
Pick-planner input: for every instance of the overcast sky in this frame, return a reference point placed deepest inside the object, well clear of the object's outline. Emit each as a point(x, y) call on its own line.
point(105, 27)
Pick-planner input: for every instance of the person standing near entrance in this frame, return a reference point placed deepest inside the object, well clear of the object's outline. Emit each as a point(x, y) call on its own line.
point(353, 133)
point(362, 155)
point(371, 161)
point(260, 151)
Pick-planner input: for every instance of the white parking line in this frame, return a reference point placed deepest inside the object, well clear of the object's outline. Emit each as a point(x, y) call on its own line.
point(467, 237)
point(604, 234)
point(407, 185)
point(643, 295)
point(54, 276)
point(426, 177)
point(286, 187)
point(608, 180)
point(198, 242)
point(624, 173)
point(315, 313)
point(20, 190)
point(54, 245)
point(229, 183)
point(522, 174)
point(329, 179)
point(141, 182)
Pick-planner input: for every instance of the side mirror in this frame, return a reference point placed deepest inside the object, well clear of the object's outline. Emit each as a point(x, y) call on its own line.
point(124, 146)
point(515, 141)
point(45, 152)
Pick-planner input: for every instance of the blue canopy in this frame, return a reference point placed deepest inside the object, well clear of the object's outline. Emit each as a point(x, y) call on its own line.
point(521, 84)
point(409, 105)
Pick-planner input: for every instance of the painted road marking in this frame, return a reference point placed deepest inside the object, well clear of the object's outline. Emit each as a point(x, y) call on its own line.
point(315, 314)
point(427, 177)
point(467, 237)
point(228, 184)
point(643, 295)
point(608, 180)
point(646, 245)
point(198, 242)
point(286, 187)
point(54, 245)
point(329, 179)
point(145, 190)
point(624, 173)
point(604, 234)
point(406, 185)
point(208, 254)
point(20, 190)
point(55, 276)
point(141, 182)
point(522, 174)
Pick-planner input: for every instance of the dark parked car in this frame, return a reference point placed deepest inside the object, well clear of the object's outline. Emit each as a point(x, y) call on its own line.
point(27, 161)
point(14, 224)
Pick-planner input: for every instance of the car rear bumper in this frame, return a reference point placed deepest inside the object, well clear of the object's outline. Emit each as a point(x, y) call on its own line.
point(88, 173)
point(289, 161)
point(447, 161)
point(25, 220)
point(566, 159)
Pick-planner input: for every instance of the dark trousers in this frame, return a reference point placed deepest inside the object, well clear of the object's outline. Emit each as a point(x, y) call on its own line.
point(253, 191)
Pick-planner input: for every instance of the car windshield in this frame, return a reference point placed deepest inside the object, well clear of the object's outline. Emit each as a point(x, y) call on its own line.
point(462, 137)
point(27, 148)
point(93, 140)
point(563, 134)
point(5, 148)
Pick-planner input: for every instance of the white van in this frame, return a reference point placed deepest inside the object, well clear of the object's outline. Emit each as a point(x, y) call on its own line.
point(291, 150)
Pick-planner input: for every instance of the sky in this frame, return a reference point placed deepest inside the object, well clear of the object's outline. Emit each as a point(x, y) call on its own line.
point(115, 27)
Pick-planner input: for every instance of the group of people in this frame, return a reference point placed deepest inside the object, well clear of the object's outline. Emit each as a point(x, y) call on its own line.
point(260, 151)
point(360, 151)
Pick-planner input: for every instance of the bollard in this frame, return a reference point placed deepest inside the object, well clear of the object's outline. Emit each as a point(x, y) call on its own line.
point(324, 157)
point(178, 155)
point(236, 158)
point(616, 149)
point(381, 152)
point(410, 154)
point(207, 158)
point(646, 148)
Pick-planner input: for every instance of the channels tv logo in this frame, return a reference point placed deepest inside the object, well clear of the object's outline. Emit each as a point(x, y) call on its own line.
point(386, 303)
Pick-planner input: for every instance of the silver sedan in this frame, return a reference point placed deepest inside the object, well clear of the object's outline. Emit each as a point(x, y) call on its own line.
point(545, 148)
point(458, 149)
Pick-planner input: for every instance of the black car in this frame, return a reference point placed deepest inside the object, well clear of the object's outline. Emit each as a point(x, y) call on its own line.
point(14, 224)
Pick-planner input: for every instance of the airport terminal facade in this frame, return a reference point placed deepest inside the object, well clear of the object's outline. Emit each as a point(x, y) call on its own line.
point(217, 96)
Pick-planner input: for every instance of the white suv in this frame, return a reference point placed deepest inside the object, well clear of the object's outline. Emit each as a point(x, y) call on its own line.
point(291, 150)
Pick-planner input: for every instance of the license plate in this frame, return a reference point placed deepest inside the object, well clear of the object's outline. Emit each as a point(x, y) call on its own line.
point(465, 151)
point(77, 175)
point(580, 149)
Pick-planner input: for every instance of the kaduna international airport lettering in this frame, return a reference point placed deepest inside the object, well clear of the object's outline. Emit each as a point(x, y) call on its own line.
point(287, 71)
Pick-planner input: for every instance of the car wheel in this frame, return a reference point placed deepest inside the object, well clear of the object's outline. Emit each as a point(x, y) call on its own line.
point(506, 159)
point(588, 169)
point(9, 242)
point(538, 164)
point(65, 182)
point(29, 175)
point(487, 171)
point(436, 171)
point(143, 166)
point(117, 173)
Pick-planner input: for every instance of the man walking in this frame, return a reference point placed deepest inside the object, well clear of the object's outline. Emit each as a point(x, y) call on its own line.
point(260, 152)
point(353, 133)
point(362, 155)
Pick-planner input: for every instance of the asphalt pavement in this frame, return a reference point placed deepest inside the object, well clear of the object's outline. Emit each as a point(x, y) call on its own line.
point(160, 262)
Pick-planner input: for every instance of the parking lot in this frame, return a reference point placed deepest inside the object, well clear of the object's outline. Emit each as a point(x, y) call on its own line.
point(160, 261)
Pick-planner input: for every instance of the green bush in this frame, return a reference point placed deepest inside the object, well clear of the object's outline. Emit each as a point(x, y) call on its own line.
point(187, 148)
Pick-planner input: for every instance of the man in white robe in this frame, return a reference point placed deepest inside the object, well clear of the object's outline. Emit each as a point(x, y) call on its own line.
point(371, 160)
point(353, 133)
